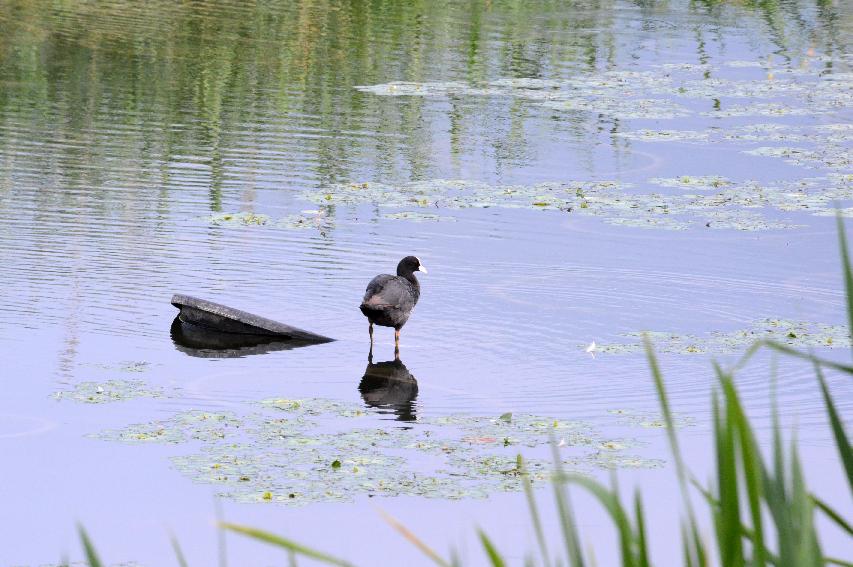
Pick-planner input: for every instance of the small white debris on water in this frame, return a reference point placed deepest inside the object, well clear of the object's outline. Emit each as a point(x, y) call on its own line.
point(591, 349)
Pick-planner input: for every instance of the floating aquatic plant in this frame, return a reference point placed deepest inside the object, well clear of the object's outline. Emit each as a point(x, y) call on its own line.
point(416, 217)
point(722, 203)
point(802, 334)
point(108, 391)
point(652, 94)
point(238, 219)
point(634, 418)
point(318, 219)
point(287, 454)
point(693, 182)
point(833, 157)
point(190, 425)
point(127, 366)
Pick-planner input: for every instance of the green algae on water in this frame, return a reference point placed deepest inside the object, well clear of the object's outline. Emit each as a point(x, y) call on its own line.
point(287, 454)
point(238, 219)
point(417, 217)
point(108, 391)
point(799, 334)
point(717, 203)
point(126, 366)
point(650, 420)
point(195, 425)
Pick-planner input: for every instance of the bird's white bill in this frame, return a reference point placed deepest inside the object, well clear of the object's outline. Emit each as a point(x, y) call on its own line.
point(422, 269)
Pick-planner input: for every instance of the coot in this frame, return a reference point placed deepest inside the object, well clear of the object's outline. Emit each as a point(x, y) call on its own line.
point(389, 300)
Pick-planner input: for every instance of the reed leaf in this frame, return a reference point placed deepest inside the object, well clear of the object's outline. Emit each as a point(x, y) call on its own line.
point(416, 541)
point(534, 511)
point(494, 557)
point(564, 509)
point(848, 271)
point(89, 549)
point(179, 554)
point(284, 543)
point(841, 441)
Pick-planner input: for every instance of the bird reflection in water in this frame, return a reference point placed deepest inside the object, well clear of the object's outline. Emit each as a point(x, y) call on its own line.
point(391, 386)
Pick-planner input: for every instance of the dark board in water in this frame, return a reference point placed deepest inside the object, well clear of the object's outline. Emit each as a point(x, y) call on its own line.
point(207, 343)
point(220, 319)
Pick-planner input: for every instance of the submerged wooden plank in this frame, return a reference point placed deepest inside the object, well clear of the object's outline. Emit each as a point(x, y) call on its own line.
point(224, 319)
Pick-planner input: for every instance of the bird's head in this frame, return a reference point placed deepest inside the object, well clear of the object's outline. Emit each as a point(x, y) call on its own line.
point(409, 265)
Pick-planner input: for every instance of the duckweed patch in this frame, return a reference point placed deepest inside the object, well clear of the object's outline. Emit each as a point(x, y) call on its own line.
point(826, 156)
point(718, 203)
point(108, 391)
point(295, 452)
point(657, 93)
point(800, 334)
point(652, 420)
point(126, 366)
point(238, 219)
point(318, 219)
point(196, 425)
point(692, 182)
point(416, 217)
point(664, 92)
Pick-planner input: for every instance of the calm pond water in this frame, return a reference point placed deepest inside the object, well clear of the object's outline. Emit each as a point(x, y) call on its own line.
point(568, 172)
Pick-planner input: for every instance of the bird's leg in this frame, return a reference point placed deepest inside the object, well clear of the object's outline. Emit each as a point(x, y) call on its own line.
point(396, 352)
point(397, 339)
point(371, 335)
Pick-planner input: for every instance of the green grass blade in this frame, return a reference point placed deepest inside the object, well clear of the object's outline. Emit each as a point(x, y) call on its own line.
point(808, 547)
point(751, 466)
point(179, 554)
point(848, 271)
point(286, 544)
point(728, 524)
point(694, 545)
point(667, 415)
point(610, 500)
point(564, 509)
point(643, 559)
point(89, 549)
point(534, 511)
point(841, 441)
point(494, 557)
point(415, 540)
point(832, 515)
point(785, 349)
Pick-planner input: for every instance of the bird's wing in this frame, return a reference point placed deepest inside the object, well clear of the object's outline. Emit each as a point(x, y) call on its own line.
point(385, 290)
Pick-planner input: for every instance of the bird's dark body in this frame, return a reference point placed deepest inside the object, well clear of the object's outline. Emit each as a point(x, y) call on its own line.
point(389, 300)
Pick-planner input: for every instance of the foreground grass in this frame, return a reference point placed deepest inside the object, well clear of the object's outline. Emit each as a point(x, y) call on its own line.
point(761, 509)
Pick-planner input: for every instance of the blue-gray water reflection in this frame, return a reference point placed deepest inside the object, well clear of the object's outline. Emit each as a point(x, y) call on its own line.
point(133, 136)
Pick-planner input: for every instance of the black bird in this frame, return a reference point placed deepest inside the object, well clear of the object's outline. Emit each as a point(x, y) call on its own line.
point(389, 300)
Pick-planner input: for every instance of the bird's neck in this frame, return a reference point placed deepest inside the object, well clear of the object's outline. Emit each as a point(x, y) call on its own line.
point(416, 285)
point(412, 279)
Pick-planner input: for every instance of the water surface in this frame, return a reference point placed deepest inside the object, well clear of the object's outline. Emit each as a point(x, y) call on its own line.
point(568, 173)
